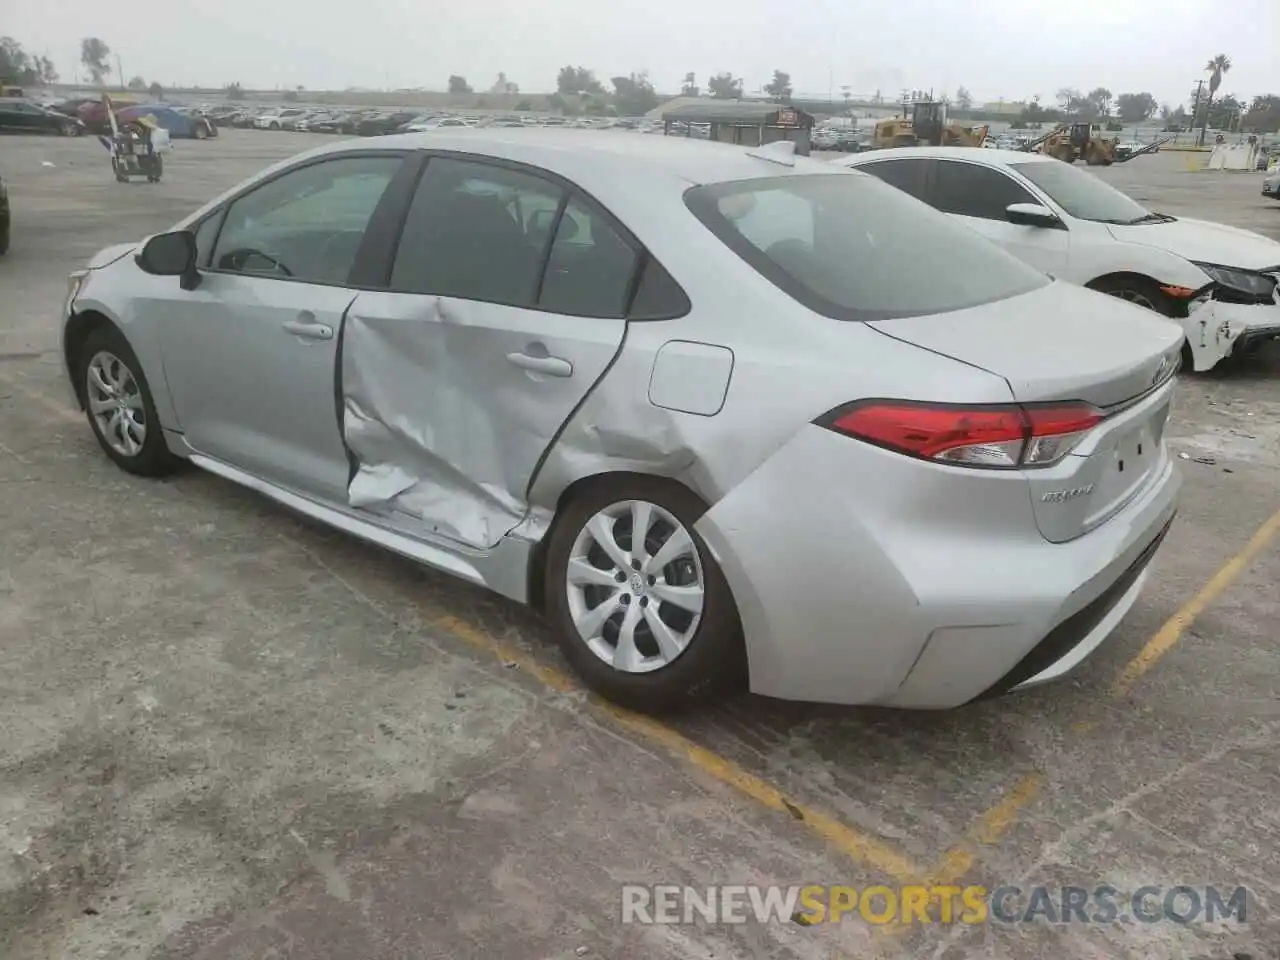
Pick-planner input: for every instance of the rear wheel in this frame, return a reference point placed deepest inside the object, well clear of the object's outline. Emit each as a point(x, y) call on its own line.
point(639, 605)
point(201, 132)
point(71, 129)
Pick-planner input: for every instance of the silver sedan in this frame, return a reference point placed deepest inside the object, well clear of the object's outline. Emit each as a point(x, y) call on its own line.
point(717, 412)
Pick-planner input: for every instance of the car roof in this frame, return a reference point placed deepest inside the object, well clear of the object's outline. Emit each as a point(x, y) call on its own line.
point(990, 158)
point(608, 162)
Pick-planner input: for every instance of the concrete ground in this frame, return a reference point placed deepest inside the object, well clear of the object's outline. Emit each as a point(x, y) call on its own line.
point(229, 733)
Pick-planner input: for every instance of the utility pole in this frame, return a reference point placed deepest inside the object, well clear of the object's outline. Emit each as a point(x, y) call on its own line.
point(1195, 112)
point(120, 72)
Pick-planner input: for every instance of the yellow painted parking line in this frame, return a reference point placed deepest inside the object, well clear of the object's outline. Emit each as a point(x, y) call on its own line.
point(988, 829)
point(1168, 635)
point(860, 847)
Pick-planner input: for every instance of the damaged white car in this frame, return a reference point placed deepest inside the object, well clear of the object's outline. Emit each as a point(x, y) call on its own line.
point(658, 389)
point(1217, 282)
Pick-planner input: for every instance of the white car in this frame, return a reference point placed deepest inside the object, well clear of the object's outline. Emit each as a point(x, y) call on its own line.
point(1218, 282)
point(435, 123)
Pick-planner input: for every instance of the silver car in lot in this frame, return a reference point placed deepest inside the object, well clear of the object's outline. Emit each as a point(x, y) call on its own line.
point(714, 411)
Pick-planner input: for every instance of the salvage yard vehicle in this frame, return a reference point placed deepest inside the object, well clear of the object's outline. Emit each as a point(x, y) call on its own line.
point(4, 217)
point(549, 363)
point(23, 116)
point(927, 126)
point(1218, 283)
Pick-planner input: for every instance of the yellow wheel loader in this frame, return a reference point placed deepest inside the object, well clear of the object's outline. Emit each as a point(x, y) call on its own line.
point(927, 126)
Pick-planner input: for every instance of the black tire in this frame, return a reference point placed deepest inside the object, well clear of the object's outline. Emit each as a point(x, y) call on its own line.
point(154, 458)
point(200, 132)
point(1137, 290)
point(713, 660)
point(71, 129)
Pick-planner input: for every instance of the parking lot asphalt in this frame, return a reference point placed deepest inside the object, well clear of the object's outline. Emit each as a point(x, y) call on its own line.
point(227, 733)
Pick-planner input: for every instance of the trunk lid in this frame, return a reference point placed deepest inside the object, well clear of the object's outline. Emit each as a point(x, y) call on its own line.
point(1063, 343)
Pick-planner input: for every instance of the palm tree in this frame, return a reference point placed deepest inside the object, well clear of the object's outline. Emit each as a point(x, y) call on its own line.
point(1216, 67)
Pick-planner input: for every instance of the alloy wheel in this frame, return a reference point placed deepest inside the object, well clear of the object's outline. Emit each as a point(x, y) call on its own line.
point(635, 586)
point(1135, 296)
point(115, 403)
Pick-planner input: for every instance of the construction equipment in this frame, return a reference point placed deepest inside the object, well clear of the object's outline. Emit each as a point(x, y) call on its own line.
point(927, 126)
point(1080, 140)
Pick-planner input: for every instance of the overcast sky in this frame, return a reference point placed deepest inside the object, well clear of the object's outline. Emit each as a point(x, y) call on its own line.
point(1007, 49)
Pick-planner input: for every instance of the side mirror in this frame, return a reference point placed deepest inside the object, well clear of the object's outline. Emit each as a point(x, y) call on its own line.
point(170, 255)
point(1033, 215)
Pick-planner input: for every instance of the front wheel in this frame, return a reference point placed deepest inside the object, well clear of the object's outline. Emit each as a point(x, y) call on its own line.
point(1137, 290)
point(119, 405)
point(640, 607)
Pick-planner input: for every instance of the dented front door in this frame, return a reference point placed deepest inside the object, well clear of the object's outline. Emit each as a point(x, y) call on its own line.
point(449, 405)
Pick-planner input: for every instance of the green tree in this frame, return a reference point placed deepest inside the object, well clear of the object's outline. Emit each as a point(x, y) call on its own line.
point(1098, 102)
point(1263, 115)
point(18, 66)
point(1217, 68)
point(725, 86)
point(137, 83)
point(1135, 107)
point(571, 80)
point(964, 99)
point(156, 91)
point(458, 84)
point(779, 88)
point(93, 55)
point(633, 95)
point(234, 91)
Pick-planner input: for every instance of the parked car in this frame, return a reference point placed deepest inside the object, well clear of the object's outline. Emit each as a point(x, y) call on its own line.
point(1218, 283)
point(383, 123)
point(275, 119)
point(4, 217)
point(178, 122)
point(1271, 185)
point(23, 116)
point(93, 113)
point(330, 123)
point(619, 440)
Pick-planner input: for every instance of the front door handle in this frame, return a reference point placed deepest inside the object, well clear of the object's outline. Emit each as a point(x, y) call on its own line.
point(551, 366)
point(309, 329)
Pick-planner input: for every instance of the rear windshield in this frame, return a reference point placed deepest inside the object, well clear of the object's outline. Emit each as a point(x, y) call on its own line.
point(853, 248)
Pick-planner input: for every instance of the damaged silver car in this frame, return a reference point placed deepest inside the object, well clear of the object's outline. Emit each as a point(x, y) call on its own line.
point(709, 409)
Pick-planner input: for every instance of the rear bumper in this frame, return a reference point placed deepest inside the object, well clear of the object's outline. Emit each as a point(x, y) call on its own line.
point(857, 582)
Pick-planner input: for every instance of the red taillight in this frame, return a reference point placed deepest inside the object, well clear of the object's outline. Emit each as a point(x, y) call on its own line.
point(997, 436)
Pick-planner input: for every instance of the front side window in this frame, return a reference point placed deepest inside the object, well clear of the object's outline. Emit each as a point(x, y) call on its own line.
point(971, 190)
point(1082, 195)
point(854, 248)
point(307, 224)
point(476, 231)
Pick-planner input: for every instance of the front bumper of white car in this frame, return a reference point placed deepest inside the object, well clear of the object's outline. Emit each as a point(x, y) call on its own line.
point(1217, 330)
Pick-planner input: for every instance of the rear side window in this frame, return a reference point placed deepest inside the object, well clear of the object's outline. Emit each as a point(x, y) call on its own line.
point(907, 175)
point(970, 190)
point(854, 248)
point(590, 269)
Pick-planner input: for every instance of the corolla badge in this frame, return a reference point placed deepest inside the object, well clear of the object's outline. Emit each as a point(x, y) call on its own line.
point(1062, 496)
point(1163, 370)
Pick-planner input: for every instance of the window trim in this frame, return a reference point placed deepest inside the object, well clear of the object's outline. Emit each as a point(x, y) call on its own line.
point(570, 191)
point(223, 208)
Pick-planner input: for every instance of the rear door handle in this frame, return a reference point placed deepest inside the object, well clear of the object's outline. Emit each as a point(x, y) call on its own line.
point(309, 329)
point(551, 366)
